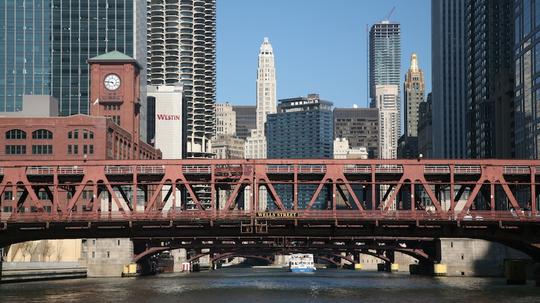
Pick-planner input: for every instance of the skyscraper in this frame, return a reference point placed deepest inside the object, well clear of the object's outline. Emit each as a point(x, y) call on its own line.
point(490, 78)
point(384, 78)
point(387, 101)
point(527, 67)
point(449, 88)
point(266, 101)
point(45, 45)
point(225, 119)
point(182, 48)
point(414, 94)
point(384, 56)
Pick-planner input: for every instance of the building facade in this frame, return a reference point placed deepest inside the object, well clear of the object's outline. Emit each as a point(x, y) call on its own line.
point(246, 120)
point(166, 123)
point(360, 127)
point(256, 144)
point(414, 90)
point(302, 128)
point(425, 134)
point(384, 56)
point(490, 78)
point(182, 49)
point(448, 78)
point(343, 150)
point(228, 147)
point(46, 45)
point(225, 119)
point(387, 102)
point(527, 89)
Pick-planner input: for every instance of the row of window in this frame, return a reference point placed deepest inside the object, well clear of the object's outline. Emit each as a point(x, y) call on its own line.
point(36, 149)
point(47, 149)
point(43, 134)
point(73, 149)
point(40, 134)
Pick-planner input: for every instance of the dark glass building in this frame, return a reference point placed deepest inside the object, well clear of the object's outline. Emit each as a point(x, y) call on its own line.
point(490, 78)
point(45, 45)
point(448, 78)
point(246, 120)
point(301, 128)
point(360, 126)
point(527, 78)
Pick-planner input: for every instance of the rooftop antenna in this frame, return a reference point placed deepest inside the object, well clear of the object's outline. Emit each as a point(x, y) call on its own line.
point(387, 18)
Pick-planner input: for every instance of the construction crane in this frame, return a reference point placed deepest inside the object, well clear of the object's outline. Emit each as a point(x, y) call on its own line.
point(390, 13)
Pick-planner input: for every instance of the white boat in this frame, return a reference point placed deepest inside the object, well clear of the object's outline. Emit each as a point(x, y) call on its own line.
point(301, 263)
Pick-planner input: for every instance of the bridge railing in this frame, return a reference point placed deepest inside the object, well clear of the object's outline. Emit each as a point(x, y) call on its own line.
point(301, 215)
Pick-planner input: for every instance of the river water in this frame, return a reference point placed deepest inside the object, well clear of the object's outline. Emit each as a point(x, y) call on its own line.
point(272, 285)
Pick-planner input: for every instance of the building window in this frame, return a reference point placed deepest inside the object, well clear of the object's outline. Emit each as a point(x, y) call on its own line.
point(73, 149)
point(88, 134)
point(93, 255)
point(74, 134)
point(15, 134)
point(88, 149)
point(42, 149)
point(108, 254)
point(42, 134)
point(15, 149)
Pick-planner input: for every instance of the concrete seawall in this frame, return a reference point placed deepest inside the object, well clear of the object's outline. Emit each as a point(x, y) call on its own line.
point(16, 272)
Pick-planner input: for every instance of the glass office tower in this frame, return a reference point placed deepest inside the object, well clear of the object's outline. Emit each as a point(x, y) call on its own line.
point(47, 44)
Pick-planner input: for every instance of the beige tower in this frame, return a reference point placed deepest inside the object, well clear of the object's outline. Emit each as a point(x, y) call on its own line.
point(414, 94)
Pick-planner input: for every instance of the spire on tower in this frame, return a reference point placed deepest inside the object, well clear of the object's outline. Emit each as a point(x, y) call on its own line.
point(414, 63)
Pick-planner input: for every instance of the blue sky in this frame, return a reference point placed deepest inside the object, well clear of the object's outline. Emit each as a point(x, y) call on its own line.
point(320, 45)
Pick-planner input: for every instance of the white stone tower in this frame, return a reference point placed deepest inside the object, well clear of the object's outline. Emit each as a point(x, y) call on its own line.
point(266, 101)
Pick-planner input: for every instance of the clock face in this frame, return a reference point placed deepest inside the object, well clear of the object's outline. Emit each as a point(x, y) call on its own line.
point(112, 82)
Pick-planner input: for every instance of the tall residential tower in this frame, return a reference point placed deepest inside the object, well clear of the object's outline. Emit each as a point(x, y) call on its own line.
point(266, 101)
point(182, 48)
point(384, 78)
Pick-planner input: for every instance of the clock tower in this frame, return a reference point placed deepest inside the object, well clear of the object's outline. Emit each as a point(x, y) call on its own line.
point(115, 90)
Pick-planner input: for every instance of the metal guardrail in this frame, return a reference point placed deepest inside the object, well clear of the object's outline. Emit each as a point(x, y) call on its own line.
point(150, 169)
point(40, 170)
point(436, 169)
point(303, 169)
point(388, 169)
point(467, 169)
point(196, 169)
point(517, 170)
point(118, 170)
point(70, 170)
point(357, 169)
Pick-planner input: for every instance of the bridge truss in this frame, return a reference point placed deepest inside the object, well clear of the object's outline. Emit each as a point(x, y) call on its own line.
point(490, 199)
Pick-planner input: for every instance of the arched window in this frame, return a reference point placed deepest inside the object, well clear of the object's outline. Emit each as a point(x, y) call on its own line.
point(42, 134)
point(15, 134)
point(88, 134)
point(74, 134)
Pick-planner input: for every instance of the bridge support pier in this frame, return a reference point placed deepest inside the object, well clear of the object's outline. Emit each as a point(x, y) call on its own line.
point(440, 270)
point(515, 272)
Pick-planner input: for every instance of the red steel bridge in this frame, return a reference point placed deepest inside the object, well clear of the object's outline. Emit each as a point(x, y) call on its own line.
point(288, 203)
